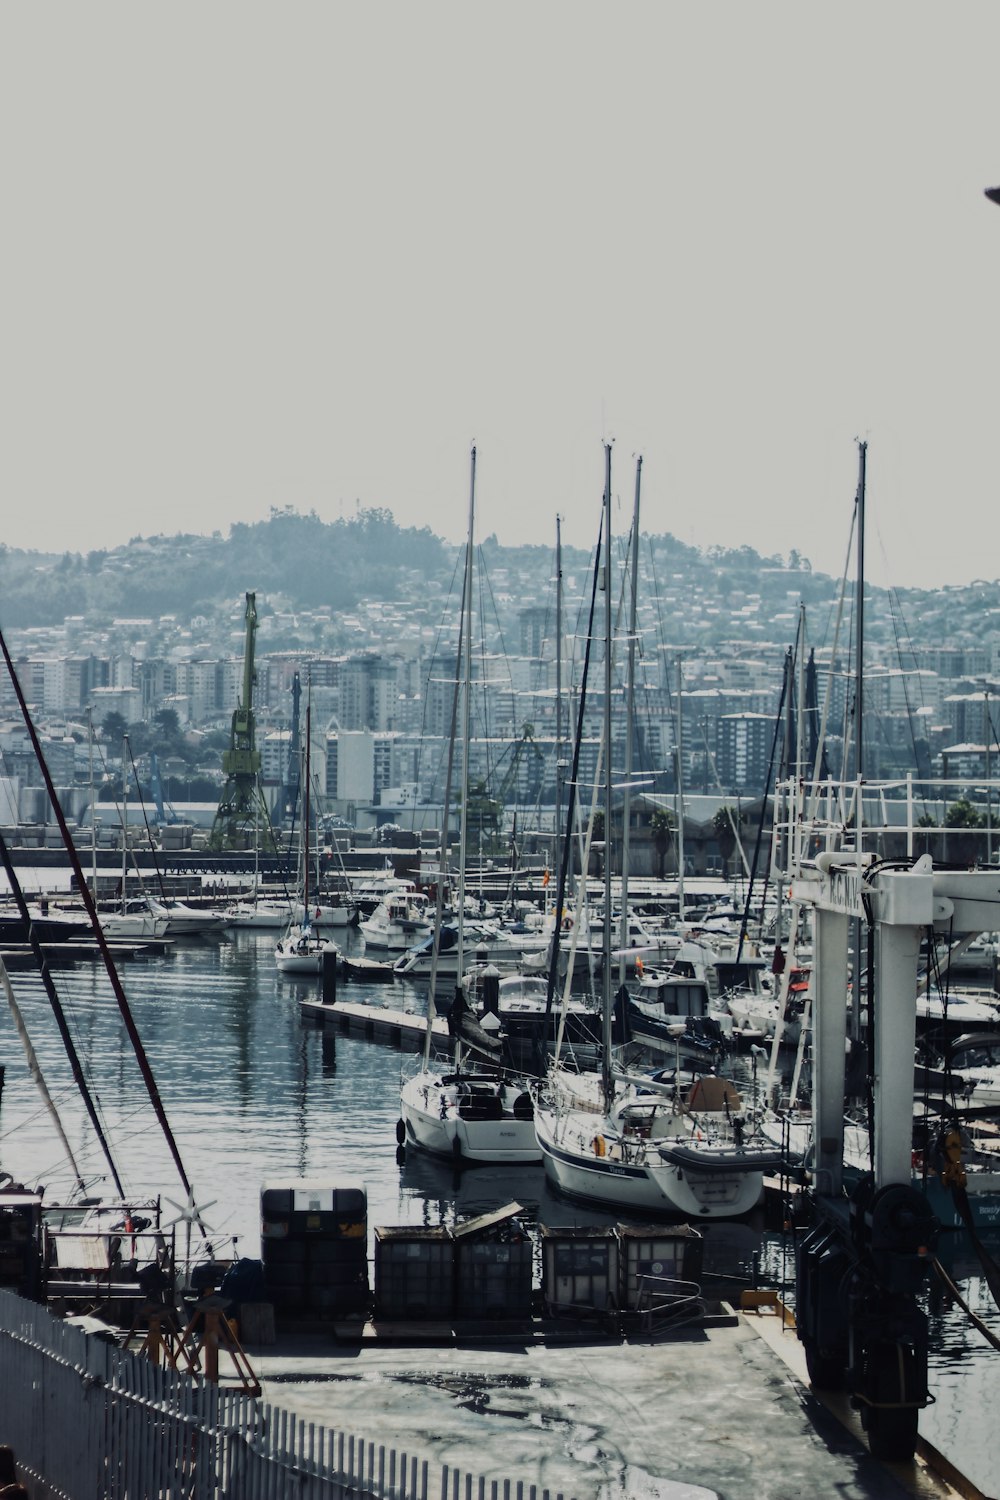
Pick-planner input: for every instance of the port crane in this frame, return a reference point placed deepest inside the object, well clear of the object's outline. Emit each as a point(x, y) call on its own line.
point(242, 812)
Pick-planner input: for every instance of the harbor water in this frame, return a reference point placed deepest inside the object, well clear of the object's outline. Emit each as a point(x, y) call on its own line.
point(255, 1091)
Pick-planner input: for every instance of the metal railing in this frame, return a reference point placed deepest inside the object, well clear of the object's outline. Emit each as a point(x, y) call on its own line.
point(89, 1421)
point(895, 819)
point(664, 1302)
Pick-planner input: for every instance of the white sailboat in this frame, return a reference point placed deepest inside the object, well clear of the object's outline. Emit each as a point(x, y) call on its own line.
point(301, 950)
point(627, 1143)
point(472, 1115)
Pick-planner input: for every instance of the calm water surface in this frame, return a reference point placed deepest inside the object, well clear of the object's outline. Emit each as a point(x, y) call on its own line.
point(254, 1092)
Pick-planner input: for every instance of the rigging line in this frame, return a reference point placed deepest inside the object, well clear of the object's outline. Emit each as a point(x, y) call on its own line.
point(828, 695)
point(88, 901)
point(445, 838)
point(145, 820)
point(895, 605)
point(431, 659)
point(35, 1069)
point(744, 921)
point(974, 1318)
point(62, 1023)
point(553, 973)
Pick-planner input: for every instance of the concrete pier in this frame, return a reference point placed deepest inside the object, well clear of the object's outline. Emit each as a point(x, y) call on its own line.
point(719, 1411)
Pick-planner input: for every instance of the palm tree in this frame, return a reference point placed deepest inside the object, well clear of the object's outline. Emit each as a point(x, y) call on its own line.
point(725, 823)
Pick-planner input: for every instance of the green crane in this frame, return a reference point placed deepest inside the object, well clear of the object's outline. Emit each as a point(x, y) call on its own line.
point(242, 814)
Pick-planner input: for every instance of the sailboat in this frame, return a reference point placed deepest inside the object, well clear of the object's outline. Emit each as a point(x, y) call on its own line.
point(132, 919)
point(301, 950)
point(630, 1143)
point(470, 1114)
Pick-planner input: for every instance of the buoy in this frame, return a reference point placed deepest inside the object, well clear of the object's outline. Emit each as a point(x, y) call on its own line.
point(400, 1132)
point(600, 1149)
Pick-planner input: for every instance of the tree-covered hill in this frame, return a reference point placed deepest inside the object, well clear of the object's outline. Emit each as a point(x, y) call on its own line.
point(310, 561)
point(701, 597)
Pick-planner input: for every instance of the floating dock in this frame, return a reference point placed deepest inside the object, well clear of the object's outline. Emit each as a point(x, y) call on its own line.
point(380, 1023)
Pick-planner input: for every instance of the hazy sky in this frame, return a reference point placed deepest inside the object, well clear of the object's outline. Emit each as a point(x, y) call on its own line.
point(306, 254)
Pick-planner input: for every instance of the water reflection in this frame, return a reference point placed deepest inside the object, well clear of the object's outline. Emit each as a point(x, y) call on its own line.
point(255, 1092)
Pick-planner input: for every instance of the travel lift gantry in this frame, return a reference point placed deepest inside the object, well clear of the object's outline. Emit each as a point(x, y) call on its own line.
point(861, 1264)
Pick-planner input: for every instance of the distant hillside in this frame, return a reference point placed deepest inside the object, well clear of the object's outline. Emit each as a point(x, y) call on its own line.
point(700, 597)
point(309, 561)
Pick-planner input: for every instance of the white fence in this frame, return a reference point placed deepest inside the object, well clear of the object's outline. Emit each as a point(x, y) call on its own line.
point(89, 1421)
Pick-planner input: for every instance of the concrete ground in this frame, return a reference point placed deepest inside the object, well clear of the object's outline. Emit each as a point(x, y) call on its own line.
point(721, 1411)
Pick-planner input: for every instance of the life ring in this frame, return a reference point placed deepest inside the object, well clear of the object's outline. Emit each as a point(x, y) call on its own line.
point(600, 1149)
point(567, 923)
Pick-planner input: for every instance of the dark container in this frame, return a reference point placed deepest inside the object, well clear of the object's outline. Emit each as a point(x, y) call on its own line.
point(493, 1267)
point(580, 1269)
point(314, 1246)
point(20, 1242)
point(414, 1274)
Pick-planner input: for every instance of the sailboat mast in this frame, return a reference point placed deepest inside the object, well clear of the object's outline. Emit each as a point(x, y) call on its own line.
point(93, 810)
point(606, 951)
point(466, 714)
point(679, 784)
point(630, 718)
point(557, 842)
point(859, 671)
point(305, 816)
point(124, 817)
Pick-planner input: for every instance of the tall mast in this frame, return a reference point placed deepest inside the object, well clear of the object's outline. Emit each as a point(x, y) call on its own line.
point(466, 714)
point(557, 846)
point(859, 671)
point(93, 810)
point(305, 814)
point(606, 951)
point(680, 789)
point(124, 818)
point(630, 718)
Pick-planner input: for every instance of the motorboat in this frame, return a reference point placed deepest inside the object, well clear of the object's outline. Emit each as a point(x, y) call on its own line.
point(397, 923)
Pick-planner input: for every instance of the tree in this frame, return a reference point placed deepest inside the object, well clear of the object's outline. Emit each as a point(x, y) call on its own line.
point(167, 725)
point(661, 828)
point(962, 814)
point(725, 823)
point(114, 727)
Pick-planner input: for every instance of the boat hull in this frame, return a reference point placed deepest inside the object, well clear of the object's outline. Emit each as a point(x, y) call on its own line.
point(581, 1164)
point(433, 1123)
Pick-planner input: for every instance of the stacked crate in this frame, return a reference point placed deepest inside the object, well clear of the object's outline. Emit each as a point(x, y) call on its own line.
point(314, 1246)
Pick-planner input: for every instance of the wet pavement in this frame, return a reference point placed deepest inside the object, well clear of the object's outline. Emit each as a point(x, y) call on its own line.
point(721, 1411)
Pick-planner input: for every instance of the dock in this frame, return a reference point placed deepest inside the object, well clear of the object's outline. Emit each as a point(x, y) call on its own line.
point(20, 956)
point(723, 1408)
point(380, 1023)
